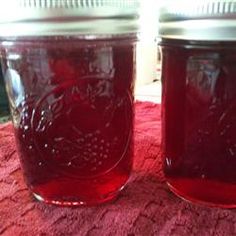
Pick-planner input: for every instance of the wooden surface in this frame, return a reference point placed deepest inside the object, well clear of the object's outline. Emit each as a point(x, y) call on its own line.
point(145, 207)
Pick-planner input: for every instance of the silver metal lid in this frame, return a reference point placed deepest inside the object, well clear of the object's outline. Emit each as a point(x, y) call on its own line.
point(68, 17)
point(210, 20)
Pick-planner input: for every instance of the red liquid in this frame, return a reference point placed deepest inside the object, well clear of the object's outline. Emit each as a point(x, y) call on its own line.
point(199, 122)
point(74, 117)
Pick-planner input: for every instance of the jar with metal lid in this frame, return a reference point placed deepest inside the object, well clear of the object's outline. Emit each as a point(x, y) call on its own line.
point(198, 43)
point(69, 70)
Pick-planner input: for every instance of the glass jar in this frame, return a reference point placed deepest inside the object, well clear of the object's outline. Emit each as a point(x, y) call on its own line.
point(69, 69)
point(199, 100)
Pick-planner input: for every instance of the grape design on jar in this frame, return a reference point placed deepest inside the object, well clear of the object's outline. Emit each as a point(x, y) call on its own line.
point(88, 143)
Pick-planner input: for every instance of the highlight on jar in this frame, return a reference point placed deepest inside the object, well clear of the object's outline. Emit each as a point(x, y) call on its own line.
point(70, 84)
point(199, 100)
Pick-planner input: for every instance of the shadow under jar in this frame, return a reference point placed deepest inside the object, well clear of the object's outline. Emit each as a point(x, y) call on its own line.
point(71, 99)
point(199, 103)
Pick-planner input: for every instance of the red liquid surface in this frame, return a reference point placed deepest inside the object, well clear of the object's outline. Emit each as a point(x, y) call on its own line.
point(199, 122)
point(73, 116)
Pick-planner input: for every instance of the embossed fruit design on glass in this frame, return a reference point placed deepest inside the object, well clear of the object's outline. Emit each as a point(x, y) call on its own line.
point(71, 99)
point(199, 109)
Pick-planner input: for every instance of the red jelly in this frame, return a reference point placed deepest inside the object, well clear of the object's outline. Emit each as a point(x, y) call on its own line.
point(74, 117)
point(71, 99)
point(199, 109)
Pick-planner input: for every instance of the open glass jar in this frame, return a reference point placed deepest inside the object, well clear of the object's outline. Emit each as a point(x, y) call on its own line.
point(69, 69)
point(198, 43)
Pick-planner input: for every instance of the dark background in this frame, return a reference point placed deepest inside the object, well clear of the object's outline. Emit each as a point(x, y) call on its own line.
point(4, 110)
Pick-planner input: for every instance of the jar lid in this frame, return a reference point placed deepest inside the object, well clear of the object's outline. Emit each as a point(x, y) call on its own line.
point(68, 17)
point(208, 20)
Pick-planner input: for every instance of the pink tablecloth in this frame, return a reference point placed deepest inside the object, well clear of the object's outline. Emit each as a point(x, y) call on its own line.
point(145, 207)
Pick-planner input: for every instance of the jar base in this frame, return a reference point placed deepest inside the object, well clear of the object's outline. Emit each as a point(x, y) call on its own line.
point(77, 201)
point(204, 192)
point(66, 191)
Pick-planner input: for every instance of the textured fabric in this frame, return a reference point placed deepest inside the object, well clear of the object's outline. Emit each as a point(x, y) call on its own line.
point(145, 207)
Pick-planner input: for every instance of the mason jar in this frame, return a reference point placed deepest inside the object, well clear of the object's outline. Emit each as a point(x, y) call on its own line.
point(198, 43)
point(69, 70)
